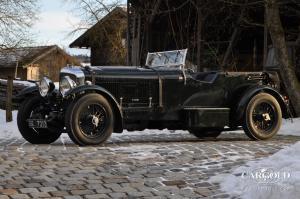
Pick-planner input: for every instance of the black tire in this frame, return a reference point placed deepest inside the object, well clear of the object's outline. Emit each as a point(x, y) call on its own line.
point(263, 117)
point(80, 120)
point(34, 136)
point(206, 133)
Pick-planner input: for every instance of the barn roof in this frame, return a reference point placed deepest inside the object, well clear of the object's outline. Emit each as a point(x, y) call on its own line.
point(24, 56)
point(84, 40)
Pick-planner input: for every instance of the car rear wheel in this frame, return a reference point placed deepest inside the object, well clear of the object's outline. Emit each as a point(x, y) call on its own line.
point(89, 120)
point(33, 108)
point(206, 133)
point(263, 117)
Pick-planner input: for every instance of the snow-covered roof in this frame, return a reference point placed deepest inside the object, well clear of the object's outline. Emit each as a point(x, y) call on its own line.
point(24, 56)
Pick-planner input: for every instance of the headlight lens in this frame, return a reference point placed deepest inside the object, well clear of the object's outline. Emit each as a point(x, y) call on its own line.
point(46, 86)
point(66, 84)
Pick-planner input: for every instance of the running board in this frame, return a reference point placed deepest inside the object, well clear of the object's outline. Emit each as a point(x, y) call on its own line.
point(206, 117)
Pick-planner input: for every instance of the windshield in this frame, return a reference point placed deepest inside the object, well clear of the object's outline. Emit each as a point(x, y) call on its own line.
point(167, 58)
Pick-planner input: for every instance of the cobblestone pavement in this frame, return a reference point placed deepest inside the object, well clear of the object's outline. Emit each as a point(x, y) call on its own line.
point(128, 166)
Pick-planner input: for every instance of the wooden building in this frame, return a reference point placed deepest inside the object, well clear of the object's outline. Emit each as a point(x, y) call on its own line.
point(31, 63)
point(219, 35)
point(106, 39)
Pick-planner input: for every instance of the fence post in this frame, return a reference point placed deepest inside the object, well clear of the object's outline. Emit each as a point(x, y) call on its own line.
point(9, 92)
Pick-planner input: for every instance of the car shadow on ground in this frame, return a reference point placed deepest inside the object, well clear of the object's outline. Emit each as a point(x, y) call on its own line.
point(177, 138)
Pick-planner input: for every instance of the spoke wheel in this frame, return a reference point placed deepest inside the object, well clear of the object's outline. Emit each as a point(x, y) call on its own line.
point(263, 117)
point(89, 120)
point(32, 108)
point(93, 120)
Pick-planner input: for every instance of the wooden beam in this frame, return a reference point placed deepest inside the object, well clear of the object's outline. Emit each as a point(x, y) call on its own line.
point(266, 32)
point(154, 11)
point(199, 39)
point(16, 70)
point(138, 41)
point(129, 62)
point(234, 36)
point(254, 55)
point(147, 40)
point(9, 92)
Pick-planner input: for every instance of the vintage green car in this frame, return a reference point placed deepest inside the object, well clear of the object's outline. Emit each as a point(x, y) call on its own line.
point(93, 102)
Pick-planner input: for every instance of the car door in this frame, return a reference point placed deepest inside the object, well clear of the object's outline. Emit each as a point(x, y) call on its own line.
point(204, 93)
point(173, 84)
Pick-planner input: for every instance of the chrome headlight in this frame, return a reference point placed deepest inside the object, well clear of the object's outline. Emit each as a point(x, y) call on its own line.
point(46, 86)
point(66, 84)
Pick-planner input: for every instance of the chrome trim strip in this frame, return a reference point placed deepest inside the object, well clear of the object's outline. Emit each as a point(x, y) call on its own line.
point(201, 108)
point(160, 85)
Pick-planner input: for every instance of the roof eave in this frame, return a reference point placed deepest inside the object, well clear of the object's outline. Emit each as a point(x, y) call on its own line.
point(79, 43)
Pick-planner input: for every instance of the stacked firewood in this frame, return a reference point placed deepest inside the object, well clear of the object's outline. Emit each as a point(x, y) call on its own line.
point(18, 86)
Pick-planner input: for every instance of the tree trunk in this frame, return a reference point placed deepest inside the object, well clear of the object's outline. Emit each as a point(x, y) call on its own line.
point(287, 70)
point(199, 40)
point(266, 35)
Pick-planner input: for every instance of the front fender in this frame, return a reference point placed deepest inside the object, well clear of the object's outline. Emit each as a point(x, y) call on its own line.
point(239, 109)
point(26, 92)
point(117, 109)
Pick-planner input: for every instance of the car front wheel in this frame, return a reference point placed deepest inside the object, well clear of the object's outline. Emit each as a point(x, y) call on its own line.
point(89, 120)
point(263, 117)
point(34, 108)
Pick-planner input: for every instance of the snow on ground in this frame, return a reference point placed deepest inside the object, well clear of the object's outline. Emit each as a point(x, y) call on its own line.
point(138, 152)
point(276, 177)
point(8, 130)
point(289, 127)
point(11, 129)
point(245, 181)
point(24, 83)
point(150, 131)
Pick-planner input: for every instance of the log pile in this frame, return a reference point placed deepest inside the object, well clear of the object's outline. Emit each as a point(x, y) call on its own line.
point(18, 86)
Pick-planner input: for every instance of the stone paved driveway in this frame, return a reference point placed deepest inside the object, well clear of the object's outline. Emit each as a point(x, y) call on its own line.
point(128, 166)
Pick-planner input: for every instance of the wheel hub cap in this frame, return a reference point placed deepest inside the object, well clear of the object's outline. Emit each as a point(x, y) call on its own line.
point(95, 120)
point(92, 120)
point(266, 117)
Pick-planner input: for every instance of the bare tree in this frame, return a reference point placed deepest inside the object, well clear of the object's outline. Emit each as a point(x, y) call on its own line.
point(110, 32)
point(16, 17)
point(92, 11)
point(287, 69)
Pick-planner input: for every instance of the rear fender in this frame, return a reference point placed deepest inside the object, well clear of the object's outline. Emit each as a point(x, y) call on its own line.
point(239, 110)
point(82, 90)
